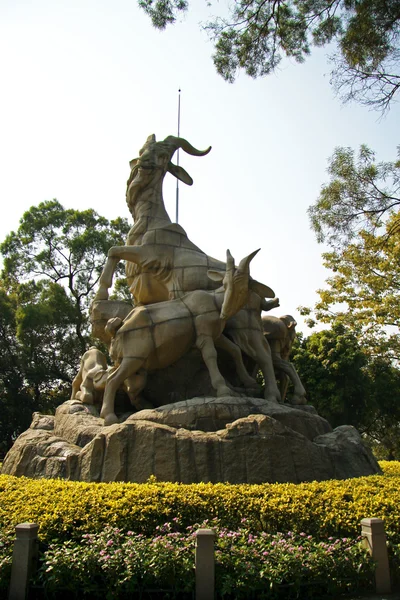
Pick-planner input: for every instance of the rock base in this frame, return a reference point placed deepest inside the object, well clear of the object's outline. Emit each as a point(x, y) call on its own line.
point(230, 439)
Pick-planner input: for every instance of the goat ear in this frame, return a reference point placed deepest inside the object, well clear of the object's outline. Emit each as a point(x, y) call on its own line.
point(132, 163)
point(179, 173)
point(262, 290)
point(215, 275)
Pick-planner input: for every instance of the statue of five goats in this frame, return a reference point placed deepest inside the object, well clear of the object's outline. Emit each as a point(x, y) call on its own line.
point(182, 298)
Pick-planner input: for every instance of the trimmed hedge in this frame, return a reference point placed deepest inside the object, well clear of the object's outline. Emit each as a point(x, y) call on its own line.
point(66, 510)
point(122, 538)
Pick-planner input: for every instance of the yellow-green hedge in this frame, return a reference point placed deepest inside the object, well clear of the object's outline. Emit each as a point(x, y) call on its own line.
point(68, 509)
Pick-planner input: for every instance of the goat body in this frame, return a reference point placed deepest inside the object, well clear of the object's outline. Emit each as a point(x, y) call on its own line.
point(153, 337)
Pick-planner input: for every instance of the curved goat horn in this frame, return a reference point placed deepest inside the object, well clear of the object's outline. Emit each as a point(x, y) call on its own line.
point(179, 142)
point(245, 262)
point(230, 261)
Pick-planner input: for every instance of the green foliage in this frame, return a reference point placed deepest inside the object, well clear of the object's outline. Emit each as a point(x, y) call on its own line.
point(247, 565)
point(257, 33)
point(118, 538)
point(36, 362)
point(116, 564)
point(357, 213)
point(161, 12)
point(66, 247)
point(363, 292)
point(361, 196)
point(349, 387)
point(51, 267)
point(6, 545)
point(332, 364)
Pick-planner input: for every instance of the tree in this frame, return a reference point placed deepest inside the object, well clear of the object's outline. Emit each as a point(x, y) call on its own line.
point(51, 268)
point(15, 405)
point(364, 292)
point(331, 365)
point(258, 32)
point(39, 354)
point(349, 387)
point(362, 195)
point(357, 214)
point(63, 246)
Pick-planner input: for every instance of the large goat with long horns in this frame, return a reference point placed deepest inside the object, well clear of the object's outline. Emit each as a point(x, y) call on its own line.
point(163, 264)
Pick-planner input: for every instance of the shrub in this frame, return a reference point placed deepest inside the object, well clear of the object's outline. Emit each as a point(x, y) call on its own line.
point(6, 544)
point(77, 520)
point(66, 509)
point(247, 565)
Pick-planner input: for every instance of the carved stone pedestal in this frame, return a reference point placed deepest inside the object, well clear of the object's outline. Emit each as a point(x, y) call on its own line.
point(229, 439)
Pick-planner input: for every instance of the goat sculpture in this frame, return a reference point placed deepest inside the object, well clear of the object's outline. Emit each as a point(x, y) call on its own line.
point(280, 334)
point(163, 264)
point(152, 337)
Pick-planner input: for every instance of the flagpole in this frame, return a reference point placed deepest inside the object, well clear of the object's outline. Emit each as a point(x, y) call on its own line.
point(177, 156)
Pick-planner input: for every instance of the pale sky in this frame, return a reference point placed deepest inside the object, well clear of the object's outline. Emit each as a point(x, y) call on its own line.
point(84, 82)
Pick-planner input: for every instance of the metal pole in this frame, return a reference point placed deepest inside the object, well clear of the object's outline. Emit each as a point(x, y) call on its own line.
point(177, 157)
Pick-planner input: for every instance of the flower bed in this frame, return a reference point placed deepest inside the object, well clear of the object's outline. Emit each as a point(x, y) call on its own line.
point(247, 564)
point(131, 536)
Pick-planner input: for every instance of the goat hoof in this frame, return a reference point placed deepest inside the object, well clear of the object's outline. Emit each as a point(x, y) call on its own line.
point(110, 419)
point(298, 400)
point(272, 398)
point(225, 391)
point(86, 398)
point(101, 294)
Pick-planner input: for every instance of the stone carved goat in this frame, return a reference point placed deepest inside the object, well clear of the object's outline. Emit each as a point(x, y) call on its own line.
point(153, 337)
point(86, 384)
point(163, 264)
point(280, 334)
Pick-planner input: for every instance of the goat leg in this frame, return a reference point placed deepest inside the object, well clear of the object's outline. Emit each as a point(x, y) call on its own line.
point(205, 344)
point(234, 351)
point(106, 278)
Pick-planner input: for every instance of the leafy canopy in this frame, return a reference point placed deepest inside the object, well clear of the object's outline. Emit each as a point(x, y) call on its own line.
point(66, 247)
point(358, 215)
point(362, 195)
point(348, 386)
point(331, 364)
point(257, 33)
point(52, 264)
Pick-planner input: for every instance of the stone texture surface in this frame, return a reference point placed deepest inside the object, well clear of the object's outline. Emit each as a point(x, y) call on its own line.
point(189, 377)
point(237, 440)
point(174, 285)
point(102, 311)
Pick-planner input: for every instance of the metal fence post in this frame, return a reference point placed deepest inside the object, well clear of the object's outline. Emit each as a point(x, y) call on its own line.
point(205, 564)
point(373, 532)
point(23, 560)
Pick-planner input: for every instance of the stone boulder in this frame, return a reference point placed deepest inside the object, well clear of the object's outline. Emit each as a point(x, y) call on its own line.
point(229, 439)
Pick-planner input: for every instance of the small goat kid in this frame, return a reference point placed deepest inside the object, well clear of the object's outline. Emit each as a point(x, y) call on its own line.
point(153, 337)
